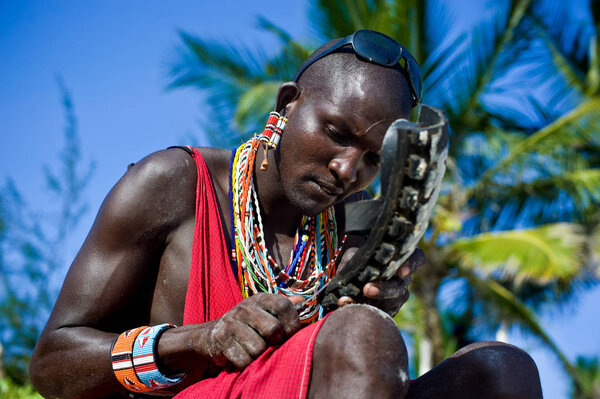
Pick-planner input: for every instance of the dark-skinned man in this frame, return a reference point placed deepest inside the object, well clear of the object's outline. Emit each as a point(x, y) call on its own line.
point(224, 244)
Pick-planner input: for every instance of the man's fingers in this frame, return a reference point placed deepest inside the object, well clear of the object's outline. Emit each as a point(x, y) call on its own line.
point(414, 261)
point(296, 299)
point(348, 254)
point(225, 345)
point(246, 331)
point(251, 342)
point(388, 289)
point(345, 300)
point(269, 327)
point(283, 309)
point(236, 354)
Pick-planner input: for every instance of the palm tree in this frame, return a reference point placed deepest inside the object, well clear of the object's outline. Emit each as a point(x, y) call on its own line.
point(589, 371)
point(516, 225)
point(241, 82)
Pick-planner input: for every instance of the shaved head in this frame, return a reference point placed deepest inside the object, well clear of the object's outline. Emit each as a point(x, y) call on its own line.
point(338, 111)
point(344, 65)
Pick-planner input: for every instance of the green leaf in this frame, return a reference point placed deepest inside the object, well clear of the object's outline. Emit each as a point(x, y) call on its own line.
point(543, 254)
point(506, 300)
point(258, 100)
point(552, 137)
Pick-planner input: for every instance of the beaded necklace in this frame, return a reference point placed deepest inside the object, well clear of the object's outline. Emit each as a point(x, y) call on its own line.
point(313, 255)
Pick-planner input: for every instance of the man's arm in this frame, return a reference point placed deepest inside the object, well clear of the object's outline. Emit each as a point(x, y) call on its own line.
point(110, 285)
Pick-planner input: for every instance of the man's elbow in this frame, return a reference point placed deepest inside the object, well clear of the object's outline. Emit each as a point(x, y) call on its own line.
point(36, 372)
point(40, 369)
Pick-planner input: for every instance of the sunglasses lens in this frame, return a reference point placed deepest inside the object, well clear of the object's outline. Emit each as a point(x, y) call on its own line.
point(415, 77)
point(376, 47)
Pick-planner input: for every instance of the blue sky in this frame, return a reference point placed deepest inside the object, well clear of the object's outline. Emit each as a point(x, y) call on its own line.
point(113, 57)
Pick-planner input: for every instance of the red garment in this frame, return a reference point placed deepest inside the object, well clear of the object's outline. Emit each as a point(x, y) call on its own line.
point(281, 372)
point(212, 287)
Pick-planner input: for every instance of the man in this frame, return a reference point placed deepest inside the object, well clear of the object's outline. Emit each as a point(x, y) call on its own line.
point(160, 252)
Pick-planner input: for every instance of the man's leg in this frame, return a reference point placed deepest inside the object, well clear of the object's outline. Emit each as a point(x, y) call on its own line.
point(359, 353)
point(481, 370)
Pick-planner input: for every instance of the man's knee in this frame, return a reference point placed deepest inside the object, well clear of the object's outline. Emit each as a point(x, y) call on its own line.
point(362, 336)
point(504, 369)
point(363, 324)
point(359, 352)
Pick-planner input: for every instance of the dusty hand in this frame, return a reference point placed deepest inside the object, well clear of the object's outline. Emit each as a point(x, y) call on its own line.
point(248, 329)
point(388, 295)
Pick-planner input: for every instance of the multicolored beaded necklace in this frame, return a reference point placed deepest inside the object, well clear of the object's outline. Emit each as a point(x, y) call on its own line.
point(315, 244)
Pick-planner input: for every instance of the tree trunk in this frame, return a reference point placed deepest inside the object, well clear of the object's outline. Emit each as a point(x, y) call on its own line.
point(502, 333)
point(433, 327)
point(425, 288)
point(425, 357)
point(1, 363)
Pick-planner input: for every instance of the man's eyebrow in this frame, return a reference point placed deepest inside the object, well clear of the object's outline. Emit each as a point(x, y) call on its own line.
point(372, 126)
point(390, 120)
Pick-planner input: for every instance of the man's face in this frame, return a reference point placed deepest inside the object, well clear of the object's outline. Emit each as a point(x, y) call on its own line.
point(332, 143)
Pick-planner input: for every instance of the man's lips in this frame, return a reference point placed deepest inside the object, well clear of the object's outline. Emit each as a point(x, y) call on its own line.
point(330, 189)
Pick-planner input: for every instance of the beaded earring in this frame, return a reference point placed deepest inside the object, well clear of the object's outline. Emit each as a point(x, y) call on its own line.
point(272, 134)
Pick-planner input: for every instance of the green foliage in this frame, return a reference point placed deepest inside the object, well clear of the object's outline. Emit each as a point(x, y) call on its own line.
point(10, 390)
point(588, 370)
point(32, 248)
point(541, 255)
point(240, 82)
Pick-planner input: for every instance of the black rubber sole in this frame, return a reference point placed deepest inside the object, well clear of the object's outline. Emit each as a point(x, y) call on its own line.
point(413, 165)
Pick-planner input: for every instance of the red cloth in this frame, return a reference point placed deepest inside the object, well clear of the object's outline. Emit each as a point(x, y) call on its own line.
point(212, 287)
point(280, 372)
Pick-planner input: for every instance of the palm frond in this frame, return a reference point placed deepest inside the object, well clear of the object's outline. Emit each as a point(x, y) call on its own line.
point(232, 77)
point(549, 139)
point(223, 72)
point(573, 75)
point(542, 255)
point(341, 18)
point(437, 71)
point(331, 19)
point(258, 100)
point(588, 369)
point(490, 40)
point(582, 186)
point(593, 74)
point(410, 317)
point(570, 39)
point(283, 65)
point(403, 20)
point(515, 312)
point(593, 248)
point(438, 20)
point(202, 63)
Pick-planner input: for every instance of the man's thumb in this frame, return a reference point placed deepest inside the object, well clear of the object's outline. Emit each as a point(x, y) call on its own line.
point(296, 299)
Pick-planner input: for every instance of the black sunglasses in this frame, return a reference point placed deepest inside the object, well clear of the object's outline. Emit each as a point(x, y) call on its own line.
point(379, 49)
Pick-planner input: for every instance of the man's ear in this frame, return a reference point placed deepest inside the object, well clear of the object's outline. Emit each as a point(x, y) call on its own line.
point(288, 92)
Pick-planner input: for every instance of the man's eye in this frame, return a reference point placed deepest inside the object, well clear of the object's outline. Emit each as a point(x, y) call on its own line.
point(337, 137)
point(373, 159)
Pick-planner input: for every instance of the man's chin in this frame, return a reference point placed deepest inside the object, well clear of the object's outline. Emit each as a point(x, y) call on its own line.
point(310, 199)
point(310, 207)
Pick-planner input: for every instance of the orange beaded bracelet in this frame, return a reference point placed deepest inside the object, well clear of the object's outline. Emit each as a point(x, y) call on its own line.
point(121, 358)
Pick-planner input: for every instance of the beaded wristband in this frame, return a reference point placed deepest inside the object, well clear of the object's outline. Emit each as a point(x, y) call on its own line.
point(144, 364)
point(121, 358)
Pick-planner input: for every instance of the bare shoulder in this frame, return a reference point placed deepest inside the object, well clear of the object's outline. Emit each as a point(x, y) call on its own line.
point(154, 193)
point(159, 191)
point(217, 161)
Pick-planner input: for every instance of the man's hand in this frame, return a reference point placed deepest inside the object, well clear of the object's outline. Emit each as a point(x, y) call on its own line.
point(388, 295)
point(248, 329)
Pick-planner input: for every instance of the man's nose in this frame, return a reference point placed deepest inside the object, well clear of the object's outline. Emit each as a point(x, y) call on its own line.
point(346, 165)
